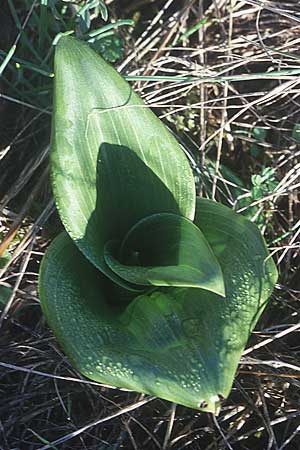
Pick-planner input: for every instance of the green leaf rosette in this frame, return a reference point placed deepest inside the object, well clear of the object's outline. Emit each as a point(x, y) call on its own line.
point(149, 288)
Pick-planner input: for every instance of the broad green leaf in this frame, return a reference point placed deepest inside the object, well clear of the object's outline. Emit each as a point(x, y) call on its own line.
point(166, 250)
point(113, 161)
point(180, 344)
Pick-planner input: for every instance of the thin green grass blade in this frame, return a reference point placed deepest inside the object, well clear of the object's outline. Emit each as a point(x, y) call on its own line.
point(109, 27)
point(218, 78)
point(7, 59)
point(193, 29)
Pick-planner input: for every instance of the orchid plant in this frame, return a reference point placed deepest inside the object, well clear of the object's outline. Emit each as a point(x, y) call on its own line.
point(148, 288)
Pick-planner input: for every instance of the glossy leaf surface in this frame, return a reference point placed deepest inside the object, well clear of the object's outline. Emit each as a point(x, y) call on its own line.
point(181, 344)
point(113, 161)
point(166, 250)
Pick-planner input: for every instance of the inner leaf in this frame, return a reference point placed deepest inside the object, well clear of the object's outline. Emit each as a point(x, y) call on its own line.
point(166, 250)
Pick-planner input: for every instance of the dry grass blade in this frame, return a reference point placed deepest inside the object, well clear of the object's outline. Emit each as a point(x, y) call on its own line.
point(169, 427)
point(87, 427)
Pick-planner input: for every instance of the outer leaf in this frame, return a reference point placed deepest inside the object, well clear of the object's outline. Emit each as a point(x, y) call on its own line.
point(181, 344)
point(166, 250)
point(113, 161)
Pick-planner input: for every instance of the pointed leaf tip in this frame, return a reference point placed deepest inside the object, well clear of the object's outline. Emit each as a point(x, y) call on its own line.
point(109, 170)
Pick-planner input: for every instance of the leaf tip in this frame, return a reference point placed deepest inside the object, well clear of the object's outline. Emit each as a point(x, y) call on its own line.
point(216, 285)
point(212, 404)
point(221, 290)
